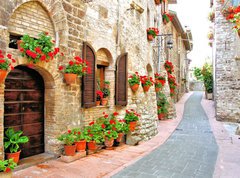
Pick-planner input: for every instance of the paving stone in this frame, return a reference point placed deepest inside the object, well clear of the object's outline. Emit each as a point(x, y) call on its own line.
point(191, 151)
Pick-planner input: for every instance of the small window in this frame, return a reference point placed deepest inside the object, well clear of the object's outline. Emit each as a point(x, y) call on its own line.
point(100, 76)
point(13, 41)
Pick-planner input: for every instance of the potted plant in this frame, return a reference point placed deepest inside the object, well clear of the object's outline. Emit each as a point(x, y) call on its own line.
point(106, 84)
point(74, 68)
point(6, 167)
point(169, 67)
point(147, 82)
point(208, 80)
point(134, 81)
point(121, 128)
point(106, 93)
point(80, 141)
point(68, 138)
point(167, 17)
point(99, 97)
point(5, 64)
point(211, 16)
point(35, 50)
point(172, 84)
point(163, 105)
point(12, 140)
point(94, 135)
point(210, 35)
point(152, 33)
point(131, 118)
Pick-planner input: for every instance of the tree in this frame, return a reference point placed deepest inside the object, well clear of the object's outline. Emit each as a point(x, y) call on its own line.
point(198, 73)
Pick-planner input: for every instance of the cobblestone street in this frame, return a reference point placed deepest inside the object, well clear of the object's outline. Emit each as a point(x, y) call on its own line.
point(190, 152)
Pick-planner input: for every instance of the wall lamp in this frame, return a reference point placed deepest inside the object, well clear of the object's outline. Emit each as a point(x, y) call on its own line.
point(135, 6)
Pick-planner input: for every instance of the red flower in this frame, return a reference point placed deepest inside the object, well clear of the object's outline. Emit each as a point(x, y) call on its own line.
point(109, 132)
point(69, 131)
point(89, 130)
point(7, 169)
point(105, 116)
point(38, 50)
point(12, 68)
point(62, 54)
point(60, 68)
point(79, 133)
point(114, 128)
point(71, 63)
point(112, 122)
point(13, 60)
point(21, 50)
point(115, 113)
point(2, 61)
point(1, 56)
point(9, 56)
point(91, 123)
point(103, 126)
point(91, 135)
point(43, 57)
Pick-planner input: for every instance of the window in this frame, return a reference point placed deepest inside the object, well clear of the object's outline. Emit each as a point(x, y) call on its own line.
point(13, 41)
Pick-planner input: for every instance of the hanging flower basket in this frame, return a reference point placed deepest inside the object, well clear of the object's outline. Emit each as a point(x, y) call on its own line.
point(152, 32)
point(5, 64)
point(134, 81)
point(134, 87)
point(167, 17)
point(146, 88)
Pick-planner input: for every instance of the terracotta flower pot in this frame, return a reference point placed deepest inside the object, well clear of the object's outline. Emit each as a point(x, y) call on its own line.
point(92, 145)
point(157, 89)
point(146, 88)
point(70, 78)
point(161, 116)
point(132, 125)
point(134, 87)
point(150, 37)
point(3, 74)
point(120, 135)
point(108, 143)
point(81, 145)
point(157, 2)
point(18, 43)
point(15, 156)
point(70, 150)
point(6, 174)
point(104, 101)
point(98, 103)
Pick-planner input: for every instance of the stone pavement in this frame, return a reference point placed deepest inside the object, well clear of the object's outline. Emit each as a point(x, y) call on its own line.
point(228, 162)
point(191, 151)
point(107, 162)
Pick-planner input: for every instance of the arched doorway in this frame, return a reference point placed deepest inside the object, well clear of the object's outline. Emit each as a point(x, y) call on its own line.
point(24, 107)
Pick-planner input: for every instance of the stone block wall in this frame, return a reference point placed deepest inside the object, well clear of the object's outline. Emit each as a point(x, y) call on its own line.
point(227, 73)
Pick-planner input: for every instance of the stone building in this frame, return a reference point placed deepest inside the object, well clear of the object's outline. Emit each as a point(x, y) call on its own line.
point(111, 35)
point(226, 65)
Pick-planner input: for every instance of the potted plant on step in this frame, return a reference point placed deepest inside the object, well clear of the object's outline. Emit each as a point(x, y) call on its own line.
point(131, 118)
point(94, 135)
point(106, 93)
point(163, 105)
point(6, 168)
point(147, 82)
point(68, 138)
point(99, 97)
point(134, 81)
point(5, 64)
point(74, 68)
point(12, 140)
point(122, 128)
point(80, 141)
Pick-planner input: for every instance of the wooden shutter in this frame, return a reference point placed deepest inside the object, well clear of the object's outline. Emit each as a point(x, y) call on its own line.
point(89, 80)
point(121, 80)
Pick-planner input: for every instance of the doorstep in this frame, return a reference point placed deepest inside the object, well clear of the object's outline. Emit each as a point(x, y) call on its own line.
point(34, 160)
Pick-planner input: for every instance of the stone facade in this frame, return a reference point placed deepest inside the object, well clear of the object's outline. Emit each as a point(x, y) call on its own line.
point(112, 28)
point(226, 68)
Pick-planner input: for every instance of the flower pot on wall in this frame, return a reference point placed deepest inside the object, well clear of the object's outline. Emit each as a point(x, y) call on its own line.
point(14, 156)
point(146, 88)
point(98, 103)
point(104, 101)
point(157, 89)
point(3, 74)
point(150, 37)
point(132, 125)
point(92, 145)
point(134, 87)
point(70, 78)
point(81, 145)
point(157, 2)
point(161, 116)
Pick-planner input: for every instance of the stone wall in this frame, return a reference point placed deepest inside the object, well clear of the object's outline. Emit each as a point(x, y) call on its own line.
point(108, 26)
point(227, 73)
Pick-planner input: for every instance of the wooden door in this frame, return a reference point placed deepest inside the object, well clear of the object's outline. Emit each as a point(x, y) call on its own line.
point(24, 107)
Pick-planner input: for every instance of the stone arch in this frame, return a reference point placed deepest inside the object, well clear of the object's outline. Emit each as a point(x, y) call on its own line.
point(104, 55)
